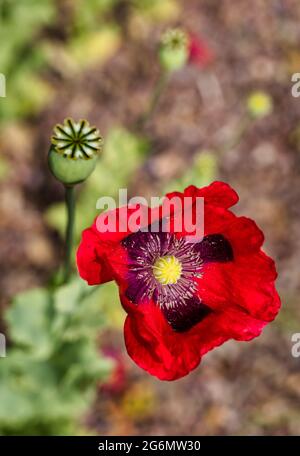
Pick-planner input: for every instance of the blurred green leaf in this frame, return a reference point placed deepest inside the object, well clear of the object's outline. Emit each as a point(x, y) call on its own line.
point(47, 380)
point(203, 171)
point(29, 320)
point(158, 10)
point(114, 314)
point(79, 312)
point(21, 22)
point(88, 15)
point(4, 168)
point(94, 47)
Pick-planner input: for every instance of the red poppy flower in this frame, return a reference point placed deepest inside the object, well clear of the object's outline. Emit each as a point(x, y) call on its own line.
point(185, 298)
point(199, 52)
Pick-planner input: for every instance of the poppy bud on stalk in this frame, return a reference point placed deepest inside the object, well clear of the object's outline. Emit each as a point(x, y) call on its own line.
point(74, 151)
point(174, 52)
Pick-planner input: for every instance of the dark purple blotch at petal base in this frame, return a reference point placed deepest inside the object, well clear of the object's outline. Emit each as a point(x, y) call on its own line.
point(184, 317)
point(214, 247)
point(136, 290)
point(179, 302)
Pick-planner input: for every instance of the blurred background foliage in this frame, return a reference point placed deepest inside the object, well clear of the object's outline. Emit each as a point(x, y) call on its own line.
point(21, 24)
point(50, 374)
point(229, 118)
point(67, 37)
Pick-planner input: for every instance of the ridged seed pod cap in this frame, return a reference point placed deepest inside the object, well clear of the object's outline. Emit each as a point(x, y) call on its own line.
point(173, 52)
point(74, 151)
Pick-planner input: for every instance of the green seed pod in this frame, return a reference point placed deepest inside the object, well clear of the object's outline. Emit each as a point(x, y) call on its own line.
point(173, 52)
point(74, 151)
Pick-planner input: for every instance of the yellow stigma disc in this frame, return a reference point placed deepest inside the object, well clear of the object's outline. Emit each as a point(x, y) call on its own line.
point(167, 270)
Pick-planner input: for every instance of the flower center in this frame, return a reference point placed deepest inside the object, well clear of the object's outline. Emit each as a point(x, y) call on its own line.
point(167, 269)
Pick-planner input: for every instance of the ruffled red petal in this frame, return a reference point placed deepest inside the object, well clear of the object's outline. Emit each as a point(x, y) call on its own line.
point(217, 194)
point(91, 265)
point(154, 346)
point(92, 261)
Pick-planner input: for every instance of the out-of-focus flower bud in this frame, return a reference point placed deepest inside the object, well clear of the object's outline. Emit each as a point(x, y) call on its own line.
point(200, 53)
point(116, 383)
point(74, 151)
point(259, 104)
point(173, 52)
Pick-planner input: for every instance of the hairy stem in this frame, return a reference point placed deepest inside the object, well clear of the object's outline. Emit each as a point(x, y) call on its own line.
point(70, 206)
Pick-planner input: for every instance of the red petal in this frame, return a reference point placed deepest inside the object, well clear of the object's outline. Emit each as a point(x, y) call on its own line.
point(244, 235)
point(217, 194)
point(157, 348)
point(92, 261)
point(91, 265)
point(245, 286)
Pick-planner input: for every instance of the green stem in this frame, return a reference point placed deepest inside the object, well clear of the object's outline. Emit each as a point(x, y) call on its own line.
point(70, 206)
point(158, 90)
